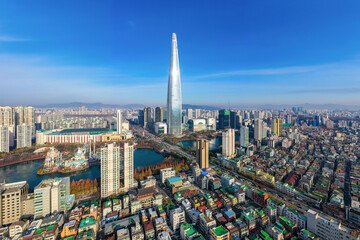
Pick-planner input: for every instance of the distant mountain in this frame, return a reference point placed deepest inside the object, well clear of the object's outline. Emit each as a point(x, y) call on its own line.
point(102, 105)
point(90, 105)
point(186, 106)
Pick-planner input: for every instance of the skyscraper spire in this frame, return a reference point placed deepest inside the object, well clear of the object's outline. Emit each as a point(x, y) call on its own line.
point(174, 101)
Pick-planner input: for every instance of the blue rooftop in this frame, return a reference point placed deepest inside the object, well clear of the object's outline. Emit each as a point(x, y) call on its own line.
point(174, 179)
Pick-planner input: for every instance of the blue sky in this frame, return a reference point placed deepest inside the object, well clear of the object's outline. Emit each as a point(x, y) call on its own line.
point(231, 52)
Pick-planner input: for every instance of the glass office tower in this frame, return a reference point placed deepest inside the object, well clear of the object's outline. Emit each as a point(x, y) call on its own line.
point(174, 101)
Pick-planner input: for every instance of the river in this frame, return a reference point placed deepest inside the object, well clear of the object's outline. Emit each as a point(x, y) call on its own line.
point(27, 171)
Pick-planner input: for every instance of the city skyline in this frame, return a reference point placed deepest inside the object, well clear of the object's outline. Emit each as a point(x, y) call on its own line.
point(275, 53)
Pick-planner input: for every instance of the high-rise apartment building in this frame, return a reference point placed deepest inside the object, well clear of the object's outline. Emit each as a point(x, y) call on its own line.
point(110, 169)
point(117, 168)
point(159, 114)
point(4, 139)
point(24, 132)
point(228, 143)
point(7, 116)
point(11, 201)
point(244, 136)
point(51, 195)
point(189, 113)
point(174, 101)
point(127, 166)
point(258, 130)
point(276, 126)
point(118, 122)
point(197, 113)
point(202, 153)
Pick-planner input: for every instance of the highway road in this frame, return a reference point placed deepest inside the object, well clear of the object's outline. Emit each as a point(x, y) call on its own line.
point(300, 206)
point(168, 147)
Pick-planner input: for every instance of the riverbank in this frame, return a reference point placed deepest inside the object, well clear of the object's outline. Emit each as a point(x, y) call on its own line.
point(27, 170)
point(4, 163)
point(39, 172)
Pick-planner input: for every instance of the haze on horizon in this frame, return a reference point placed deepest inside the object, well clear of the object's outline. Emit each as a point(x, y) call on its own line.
point(238, 52)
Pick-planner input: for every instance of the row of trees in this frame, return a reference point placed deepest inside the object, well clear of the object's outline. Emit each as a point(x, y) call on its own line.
point(84, 187)
point(170, 161)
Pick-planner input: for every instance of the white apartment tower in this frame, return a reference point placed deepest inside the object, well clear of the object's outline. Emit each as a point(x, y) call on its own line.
point(258, 130)
point(23, 133)
point(4, 138)
point(127, 155)
point(117, 168)
point(118, 122)
point(228, 143)
point(110, 170)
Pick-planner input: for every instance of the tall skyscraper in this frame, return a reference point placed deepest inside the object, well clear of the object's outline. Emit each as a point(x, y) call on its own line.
point(244, 136)
point(202, 153)
point(118, 121)
point(147, 116)
point(258, 130)
point(4, 139)
point(23, 138)
point(276, 126)
point(228, 143)
point(127, 166)
point(159, 114)
point(174, 101)
point(110, 170)
point(227, 119)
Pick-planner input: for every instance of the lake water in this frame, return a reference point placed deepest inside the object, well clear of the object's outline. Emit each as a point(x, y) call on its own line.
point(27, 171)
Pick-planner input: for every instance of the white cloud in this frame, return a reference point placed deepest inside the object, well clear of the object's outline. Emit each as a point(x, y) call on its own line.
point(8, 38)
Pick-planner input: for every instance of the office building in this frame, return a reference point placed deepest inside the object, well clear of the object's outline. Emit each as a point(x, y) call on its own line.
point(166, 173)
point(160, 128)
point(174, 101)
point(159, 114)
point(110, 169)
point(202, 153)
point(141, 117)
point(52, 195)
point(118, 122)
point(227, 119)
point(196, 125)
point(4, 138)
point(228, 143)
point(80, 135)
point(258, 130)
point(11, 201)
point(23, 133)
point(244, 136)
point(147, 116)
point(127, 167)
